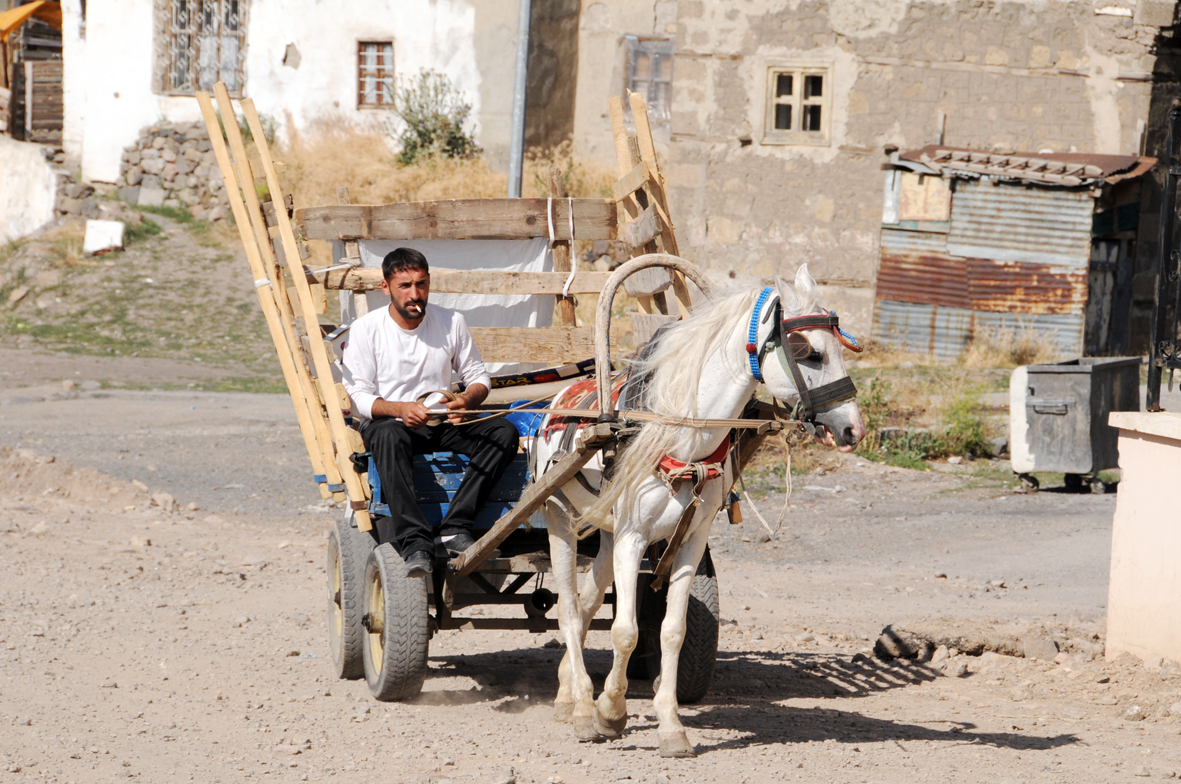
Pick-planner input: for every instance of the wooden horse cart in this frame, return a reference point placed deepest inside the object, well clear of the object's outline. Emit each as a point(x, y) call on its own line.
point(380, 622)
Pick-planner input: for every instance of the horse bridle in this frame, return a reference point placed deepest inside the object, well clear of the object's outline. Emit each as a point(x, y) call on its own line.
point(810, 399)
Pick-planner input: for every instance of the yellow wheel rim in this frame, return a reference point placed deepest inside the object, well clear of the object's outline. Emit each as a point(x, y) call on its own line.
point(376, 610)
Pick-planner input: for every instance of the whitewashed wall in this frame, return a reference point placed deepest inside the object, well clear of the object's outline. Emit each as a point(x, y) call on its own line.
point(28, 187)
point(109, 96)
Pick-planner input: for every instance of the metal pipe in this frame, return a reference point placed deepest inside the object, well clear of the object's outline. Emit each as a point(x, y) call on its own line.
point(516, 155)
point(1166, 257)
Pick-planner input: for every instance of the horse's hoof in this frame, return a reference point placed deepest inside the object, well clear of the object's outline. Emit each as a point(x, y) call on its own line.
point(677, 746)
point(610, 728)
point(584, 730)
point(563, 712)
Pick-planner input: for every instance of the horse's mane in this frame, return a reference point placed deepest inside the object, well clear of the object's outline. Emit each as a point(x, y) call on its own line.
point(670, 373)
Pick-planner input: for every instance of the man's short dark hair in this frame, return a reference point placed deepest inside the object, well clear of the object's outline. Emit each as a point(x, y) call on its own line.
point(402, 259)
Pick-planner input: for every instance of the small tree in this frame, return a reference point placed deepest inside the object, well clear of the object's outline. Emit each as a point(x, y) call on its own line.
point(433, 113)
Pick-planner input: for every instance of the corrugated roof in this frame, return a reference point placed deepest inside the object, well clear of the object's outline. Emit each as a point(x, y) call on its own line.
point(1066, 169)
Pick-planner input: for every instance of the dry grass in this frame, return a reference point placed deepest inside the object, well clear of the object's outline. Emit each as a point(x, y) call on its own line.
point(877, 355)
point(1007, 347)
point(65, 245)
point(335, 154)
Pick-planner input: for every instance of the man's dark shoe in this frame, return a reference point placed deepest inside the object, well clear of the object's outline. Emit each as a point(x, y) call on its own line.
point(457, 543)
point(419, 564)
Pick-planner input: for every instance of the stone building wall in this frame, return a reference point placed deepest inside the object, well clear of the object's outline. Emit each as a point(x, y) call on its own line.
point(1000, 76)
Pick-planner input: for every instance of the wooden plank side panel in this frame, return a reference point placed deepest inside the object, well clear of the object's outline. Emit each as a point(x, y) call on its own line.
point(460, 219)
point(492, 282)
point(547, 345)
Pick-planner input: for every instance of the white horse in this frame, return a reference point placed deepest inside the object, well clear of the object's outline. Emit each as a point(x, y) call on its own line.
point(701, 368)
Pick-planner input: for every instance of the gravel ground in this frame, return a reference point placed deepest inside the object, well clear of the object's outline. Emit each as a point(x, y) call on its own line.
point(141, 642)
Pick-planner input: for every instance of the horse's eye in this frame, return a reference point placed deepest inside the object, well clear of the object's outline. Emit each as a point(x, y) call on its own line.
point(801, 349)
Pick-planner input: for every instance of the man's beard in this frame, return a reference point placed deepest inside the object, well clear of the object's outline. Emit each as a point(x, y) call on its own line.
point(407, 314)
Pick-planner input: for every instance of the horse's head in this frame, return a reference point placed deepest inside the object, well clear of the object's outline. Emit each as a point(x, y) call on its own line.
point(815, 349)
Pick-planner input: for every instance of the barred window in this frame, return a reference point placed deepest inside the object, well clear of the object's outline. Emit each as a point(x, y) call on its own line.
point(650, 73)
point(204, 42)
point(375, 74)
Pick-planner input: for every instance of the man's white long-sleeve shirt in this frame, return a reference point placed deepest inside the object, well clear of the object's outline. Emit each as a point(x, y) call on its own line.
point(382, 360)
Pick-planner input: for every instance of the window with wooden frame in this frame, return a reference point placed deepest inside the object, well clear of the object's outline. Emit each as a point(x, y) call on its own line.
point(203, 42)
point(799, 104)
point(650, 73)
point(375, 74)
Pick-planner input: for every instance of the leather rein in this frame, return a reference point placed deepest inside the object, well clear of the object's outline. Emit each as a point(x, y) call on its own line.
point(810, 399)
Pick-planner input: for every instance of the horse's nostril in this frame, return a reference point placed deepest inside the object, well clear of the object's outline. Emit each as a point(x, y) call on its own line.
point(850, 435)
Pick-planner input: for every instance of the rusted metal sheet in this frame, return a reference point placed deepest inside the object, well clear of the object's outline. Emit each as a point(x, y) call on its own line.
point(922, 328)
point(1013, 287)
point(915, 267)
point(946, 332)
point(1018, 223)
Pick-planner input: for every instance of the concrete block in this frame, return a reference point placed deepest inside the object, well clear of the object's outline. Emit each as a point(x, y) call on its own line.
point(151, 197)
point(102, 236)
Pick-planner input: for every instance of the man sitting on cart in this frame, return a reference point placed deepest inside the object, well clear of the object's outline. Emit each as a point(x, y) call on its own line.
point(395, 357)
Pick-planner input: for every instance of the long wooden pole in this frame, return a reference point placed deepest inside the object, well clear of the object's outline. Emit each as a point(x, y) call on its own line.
point(262, 284)
point(311, 322)
point(563, 252)
point(305, 390)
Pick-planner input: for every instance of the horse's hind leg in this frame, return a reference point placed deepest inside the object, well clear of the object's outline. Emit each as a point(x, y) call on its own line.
point(589, 601)
point(578, 685)
point(673, 740)
point(611, 707)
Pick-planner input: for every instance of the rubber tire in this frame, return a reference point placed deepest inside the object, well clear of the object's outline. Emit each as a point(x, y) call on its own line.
point(396, 658)
point(699, 652)
point(347, 550)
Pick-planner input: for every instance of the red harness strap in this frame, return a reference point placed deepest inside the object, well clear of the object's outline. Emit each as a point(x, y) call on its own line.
point(713, 463)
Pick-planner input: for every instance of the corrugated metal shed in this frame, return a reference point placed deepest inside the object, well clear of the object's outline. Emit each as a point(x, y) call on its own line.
point(945, 332)
point(1021, 223)
point(1016, 255)
point(916, 267)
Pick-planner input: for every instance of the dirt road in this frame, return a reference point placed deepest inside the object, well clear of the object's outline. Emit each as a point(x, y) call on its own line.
point(135, 641)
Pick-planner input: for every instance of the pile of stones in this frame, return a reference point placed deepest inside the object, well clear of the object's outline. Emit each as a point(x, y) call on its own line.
point(173, 165)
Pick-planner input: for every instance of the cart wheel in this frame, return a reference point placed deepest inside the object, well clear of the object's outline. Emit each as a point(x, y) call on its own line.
point(347, 550)
point(397, 624)
point(1073, 482)
point(699, 652)
point(1029, 483)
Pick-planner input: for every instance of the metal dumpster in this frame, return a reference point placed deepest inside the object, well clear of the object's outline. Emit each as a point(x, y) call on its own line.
point(1058, 416)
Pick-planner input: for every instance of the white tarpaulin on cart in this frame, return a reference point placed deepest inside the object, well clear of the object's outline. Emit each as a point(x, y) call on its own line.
point(480, 310)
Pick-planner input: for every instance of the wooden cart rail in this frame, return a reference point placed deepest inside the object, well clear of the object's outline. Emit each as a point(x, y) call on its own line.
point(462, 219)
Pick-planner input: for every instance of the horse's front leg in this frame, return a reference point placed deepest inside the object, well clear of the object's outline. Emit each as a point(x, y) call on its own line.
point(574, 684)
point(589, 602)
point(611, 707)
point(673, 740)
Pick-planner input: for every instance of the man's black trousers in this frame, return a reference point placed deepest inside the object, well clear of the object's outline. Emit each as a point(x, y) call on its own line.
point(489, 445)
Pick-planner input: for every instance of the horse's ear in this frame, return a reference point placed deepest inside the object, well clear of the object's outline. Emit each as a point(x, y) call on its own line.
point(788, 298)
point(804, 281)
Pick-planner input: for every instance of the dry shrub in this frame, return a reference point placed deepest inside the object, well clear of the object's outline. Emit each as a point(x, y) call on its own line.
point(65, 245)
point(334, 154)
point(582, 180)
point(1008, 347)
point(878, 354)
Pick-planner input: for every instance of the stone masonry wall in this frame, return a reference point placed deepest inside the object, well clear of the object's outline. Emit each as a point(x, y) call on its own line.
point(1007, 76)
point(173, 165)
